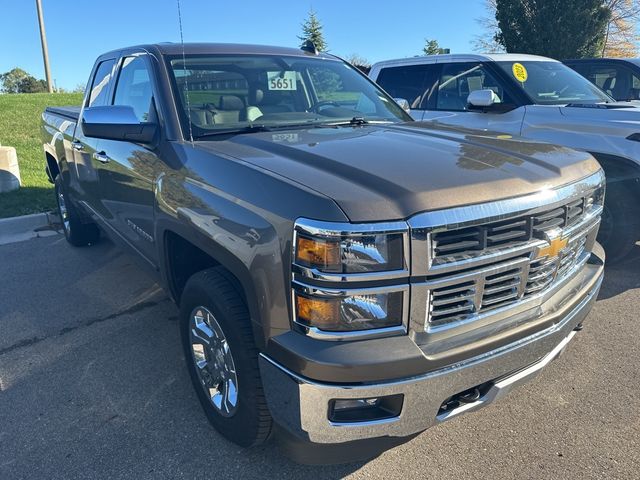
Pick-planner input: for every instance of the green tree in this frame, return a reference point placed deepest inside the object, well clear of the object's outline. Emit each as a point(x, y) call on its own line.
point(31, 84)
point(553, 28)
point(431, 47)
point(19, 81)
point(11, 80)
point(312, 30)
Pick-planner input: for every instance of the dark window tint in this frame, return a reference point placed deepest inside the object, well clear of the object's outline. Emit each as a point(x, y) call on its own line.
point(134, 87)
point(616, 80)
point(408, 82)
point(458, 80)
point(100, 86)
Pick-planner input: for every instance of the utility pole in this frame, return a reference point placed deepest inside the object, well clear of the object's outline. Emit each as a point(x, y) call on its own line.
point(45, 50)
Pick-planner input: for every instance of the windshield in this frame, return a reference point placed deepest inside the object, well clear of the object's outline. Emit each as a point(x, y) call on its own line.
point(553, 83)
point(220, 93)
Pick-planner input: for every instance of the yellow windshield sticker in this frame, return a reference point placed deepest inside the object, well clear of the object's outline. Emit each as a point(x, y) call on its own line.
point(519, 72)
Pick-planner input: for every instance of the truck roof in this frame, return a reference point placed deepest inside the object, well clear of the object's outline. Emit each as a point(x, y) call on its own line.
point(463, 57)
point(170, 48)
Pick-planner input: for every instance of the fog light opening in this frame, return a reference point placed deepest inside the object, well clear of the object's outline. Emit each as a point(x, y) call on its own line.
point(354, 410)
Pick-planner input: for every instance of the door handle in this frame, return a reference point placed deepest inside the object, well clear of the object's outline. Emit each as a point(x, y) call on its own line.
point(77, 146)
point(101, 157)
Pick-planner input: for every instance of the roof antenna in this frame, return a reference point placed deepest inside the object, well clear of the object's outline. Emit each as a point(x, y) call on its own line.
point(309, 46)
point(186, 81)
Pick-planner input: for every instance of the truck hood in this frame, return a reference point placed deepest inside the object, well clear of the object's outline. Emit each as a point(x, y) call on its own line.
point(389, 172)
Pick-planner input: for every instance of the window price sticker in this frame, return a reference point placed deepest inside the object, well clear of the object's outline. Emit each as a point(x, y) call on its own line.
point(519, 72)
point(281, 80)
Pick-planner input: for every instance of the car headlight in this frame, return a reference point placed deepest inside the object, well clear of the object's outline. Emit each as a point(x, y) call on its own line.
point(329, 258)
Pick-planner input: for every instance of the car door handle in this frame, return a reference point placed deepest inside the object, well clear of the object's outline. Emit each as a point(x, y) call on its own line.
point(101, 157)
point(77, 146)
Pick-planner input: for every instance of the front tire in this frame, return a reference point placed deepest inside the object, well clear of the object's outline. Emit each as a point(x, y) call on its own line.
point(222, 358)
point(76, 232)
point(620, 227)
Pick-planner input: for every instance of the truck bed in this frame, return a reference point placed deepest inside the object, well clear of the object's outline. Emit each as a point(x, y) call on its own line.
point(69, 112)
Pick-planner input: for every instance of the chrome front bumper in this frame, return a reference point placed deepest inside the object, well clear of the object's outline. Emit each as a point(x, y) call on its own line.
point(301, 406)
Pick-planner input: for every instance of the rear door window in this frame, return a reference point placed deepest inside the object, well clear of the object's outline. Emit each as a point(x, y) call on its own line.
point(134, 87)
point(409, 82)
point(99, 95)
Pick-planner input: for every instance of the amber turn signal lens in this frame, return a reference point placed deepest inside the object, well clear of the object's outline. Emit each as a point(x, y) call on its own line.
point(322, 254)
point(321, 313)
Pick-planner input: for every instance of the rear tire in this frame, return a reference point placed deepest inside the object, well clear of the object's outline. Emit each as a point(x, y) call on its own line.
point(77, 233)
point(222, 357)
point(620, 227)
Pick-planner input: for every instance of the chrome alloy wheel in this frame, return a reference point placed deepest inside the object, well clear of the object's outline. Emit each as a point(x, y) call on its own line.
point(213, 361)
point(64, 213)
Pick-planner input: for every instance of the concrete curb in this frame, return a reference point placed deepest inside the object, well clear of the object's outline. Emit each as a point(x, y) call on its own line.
point(18, 229)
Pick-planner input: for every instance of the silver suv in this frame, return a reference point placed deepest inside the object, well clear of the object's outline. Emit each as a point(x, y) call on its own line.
point(538, 98)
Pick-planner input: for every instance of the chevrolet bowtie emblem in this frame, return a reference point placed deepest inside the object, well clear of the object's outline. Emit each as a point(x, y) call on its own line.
point(554, 248)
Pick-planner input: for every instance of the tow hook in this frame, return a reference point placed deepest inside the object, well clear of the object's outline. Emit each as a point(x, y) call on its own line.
point(579, 327)
point(470, 396)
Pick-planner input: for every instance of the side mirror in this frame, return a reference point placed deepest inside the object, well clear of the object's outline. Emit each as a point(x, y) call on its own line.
point(404, 104)
point(116, 122)
point(482, 98)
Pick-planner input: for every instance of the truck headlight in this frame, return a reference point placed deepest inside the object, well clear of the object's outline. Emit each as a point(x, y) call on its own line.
point(350, 278)
point(335, 251)
point(349, 312)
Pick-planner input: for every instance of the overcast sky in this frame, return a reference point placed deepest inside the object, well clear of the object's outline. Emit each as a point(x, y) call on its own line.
point(78, 31)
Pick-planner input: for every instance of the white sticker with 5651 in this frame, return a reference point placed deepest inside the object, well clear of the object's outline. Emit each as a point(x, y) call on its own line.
point(282, 80)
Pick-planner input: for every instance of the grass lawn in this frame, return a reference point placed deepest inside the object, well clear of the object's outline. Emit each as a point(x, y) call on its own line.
point(20, 128)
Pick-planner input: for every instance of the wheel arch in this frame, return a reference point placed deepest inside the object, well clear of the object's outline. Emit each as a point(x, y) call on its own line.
point(618, 169)
point(182, 258)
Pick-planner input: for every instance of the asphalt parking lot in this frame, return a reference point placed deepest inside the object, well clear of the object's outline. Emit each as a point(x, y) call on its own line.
point(93, 385)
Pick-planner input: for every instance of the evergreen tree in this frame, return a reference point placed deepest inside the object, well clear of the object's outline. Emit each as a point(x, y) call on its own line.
point(312, 30)
point(431, 47)
point(552, 28)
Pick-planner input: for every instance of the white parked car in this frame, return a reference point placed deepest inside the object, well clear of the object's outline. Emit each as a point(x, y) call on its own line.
point(538, 98)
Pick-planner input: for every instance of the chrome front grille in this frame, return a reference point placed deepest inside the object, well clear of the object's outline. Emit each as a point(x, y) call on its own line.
point(478, 269)
point(541, 273)
point(448, 245)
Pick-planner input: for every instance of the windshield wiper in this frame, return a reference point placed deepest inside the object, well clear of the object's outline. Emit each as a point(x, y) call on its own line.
point(230, 131)
point(357, 121)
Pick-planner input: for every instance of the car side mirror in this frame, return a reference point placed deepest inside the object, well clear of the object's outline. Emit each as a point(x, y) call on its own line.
point(482, 98)
point(117, 122)
point(404, 104)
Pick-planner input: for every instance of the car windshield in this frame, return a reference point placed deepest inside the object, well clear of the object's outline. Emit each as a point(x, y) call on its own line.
point(227, 93)
point(553, 83)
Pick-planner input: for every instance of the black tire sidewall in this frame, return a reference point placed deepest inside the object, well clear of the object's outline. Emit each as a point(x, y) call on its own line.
point(59, 190)
point(243, 426)
point(620, 210)
point(78, 233)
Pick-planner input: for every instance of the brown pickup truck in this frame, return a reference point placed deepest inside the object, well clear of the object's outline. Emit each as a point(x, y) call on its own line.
point(346, 277)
